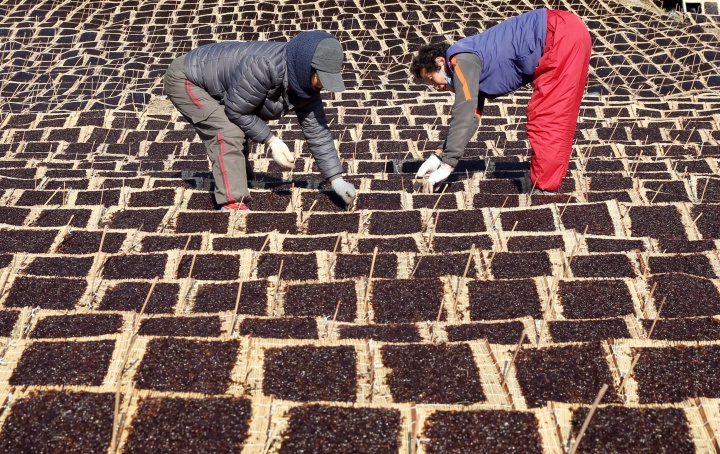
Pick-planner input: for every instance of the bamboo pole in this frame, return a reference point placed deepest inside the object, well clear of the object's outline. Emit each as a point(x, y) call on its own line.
point(512, 361)
point(585, 425)
point(367, 285)
point(331, 326)
point(131, 341)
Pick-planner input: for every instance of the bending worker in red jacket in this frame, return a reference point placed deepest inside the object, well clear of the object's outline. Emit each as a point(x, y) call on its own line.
point(549, 48)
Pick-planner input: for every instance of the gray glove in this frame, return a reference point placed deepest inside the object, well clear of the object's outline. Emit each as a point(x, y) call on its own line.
point(344, 189)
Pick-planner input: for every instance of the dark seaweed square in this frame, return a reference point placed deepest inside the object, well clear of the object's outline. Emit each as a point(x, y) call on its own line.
point(8, 319)
point(432, 374)
point(63, 363)
point(457, 243)
point(610, 183)
point(210, 267)
point(613, 245)
point(130, 296)
point(181, 326)
point(657, 222)
point(407, 301)
point(154, 198)
point(320, 300)
point(202, 201)
point(179, 425)
point(495, 333)
point(483, 200)
point(182, 365)
point(460, 221)
point(401, 332)
point(136, 266)
point(327, 201)
point(60, 266)
point(269, 201)
point(307, 373)
point(222, 297)
point(51, 293)
point(511, 265)
point(83, 242)
point(378, 201)
point(684, 329)
point(571, 374)
point(447, 202)
point(616, 429)
point(280, 328)
point(396, 244)
point(254, 243)
point(685, 295)
point(596, 218)
point(295, 266)
point(707, 224)
point(697, 265)
point(304, 244)
point(671, 246)
point(610, 265)
point(321, 224)
point(444, 265)
point(202, 222)
point(105, 198)
point(666, 191)
point(59, 421)
point(535, 243)
point(595, 299)
point(160, 243)
point(674, 374)
point(395, 223)
point(13, 215)
point(482, 431)
point(31, 241)
point(145, 220)
point(59, 218)
point(268, 222)
point(76, 325)
point(540, 220)
point(33, 198)
point(320, 428)
point(499, 300)
point(588, 330)
point(354, 265)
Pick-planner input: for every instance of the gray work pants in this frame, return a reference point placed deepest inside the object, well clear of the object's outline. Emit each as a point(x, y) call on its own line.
point(225, 142)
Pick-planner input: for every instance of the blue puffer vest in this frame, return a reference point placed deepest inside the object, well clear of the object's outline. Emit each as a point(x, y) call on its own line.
point(509, 52)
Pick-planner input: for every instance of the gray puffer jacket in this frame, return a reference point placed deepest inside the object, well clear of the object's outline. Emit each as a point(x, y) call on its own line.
point(250, 80)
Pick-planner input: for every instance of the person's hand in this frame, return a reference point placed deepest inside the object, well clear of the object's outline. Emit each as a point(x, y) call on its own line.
point(431, 164)
point(344, 189)
point(281, 153)
point(440, 174)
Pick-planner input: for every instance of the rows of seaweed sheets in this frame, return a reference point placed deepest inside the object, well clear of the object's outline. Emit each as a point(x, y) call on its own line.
point(137, 317)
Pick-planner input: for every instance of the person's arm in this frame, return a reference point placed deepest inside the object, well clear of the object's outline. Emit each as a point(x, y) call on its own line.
point(467, 108)
point(254, 77)
point(314, 126)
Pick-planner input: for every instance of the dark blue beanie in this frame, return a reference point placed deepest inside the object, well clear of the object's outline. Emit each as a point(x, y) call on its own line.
point(299, 54)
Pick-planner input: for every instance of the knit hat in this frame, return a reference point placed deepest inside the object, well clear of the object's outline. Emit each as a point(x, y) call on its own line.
point(314, 49)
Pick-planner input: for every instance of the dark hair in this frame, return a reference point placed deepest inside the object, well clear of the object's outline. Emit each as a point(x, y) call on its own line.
point(425, 58)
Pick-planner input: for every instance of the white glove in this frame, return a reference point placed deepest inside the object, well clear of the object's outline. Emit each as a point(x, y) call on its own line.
point(344, 189)
point(281, 153)
point(440, 174)
point(431, 164)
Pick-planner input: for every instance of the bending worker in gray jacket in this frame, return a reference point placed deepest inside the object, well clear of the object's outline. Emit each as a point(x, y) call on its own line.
point(228, 91)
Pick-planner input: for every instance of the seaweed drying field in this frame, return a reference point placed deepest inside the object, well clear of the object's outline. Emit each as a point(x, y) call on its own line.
point(134, 316)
